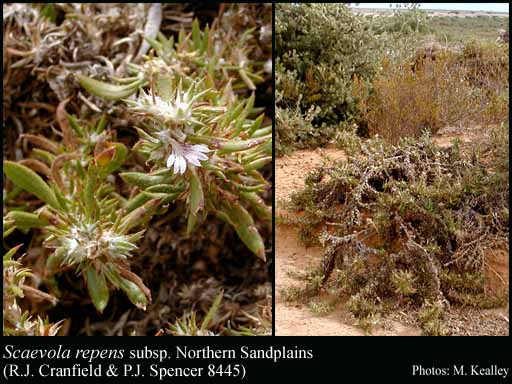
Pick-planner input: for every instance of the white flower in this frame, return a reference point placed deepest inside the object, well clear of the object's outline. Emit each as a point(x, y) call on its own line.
point(75, 253)
point(183, 153)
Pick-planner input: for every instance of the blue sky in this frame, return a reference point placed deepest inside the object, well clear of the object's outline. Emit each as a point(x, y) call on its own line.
point(489, 7)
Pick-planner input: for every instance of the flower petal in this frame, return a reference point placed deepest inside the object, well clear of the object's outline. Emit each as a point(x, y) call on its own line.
point(201, 156)
point(176, 165)
point(200, 148)
point(192, 159)
point(182, 164)
point(170, 160)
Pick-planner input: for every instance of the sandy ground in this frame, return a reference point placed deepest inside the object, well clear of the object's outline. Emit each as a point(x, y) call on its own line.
point(292, 257)
point(291, 170)
point(444, 138)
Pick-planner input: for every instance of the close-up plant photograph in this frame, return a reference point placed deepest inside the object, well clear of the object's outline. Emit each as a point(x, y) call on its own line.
point(278, 169)
point(137, 169)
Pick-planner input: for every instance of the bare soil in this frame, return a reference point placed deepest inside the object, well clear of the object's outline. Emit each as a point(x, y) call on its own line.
point(292, 169)
point(466, 135)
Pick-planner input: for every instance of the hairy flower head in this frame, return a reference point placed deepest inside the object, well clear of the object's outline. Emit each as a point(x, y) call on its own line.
point(178, 109)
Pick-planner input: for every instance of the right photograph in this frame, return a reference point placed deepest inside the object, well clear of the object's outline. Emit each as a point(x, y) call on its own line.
point(392, 169)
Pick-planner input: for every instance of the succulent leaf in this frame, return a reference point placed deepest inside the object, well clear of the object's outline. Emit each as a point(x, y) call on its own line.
point(31, 182)
point(97, 286)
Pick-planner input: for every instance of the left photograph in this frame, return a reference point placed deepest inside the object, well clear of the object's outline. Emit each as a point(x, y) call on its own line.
point(137, 169)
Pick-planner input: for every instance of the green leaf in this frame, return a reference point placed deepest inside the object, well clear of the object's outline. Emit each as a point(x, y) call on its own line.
point(257, 164)
point(166, 188)
point(261, 132)
point(256, 125)
point(31, 182)
point(252, 239)
point(145, 196)
point(204, 43)
point(196, 200)
point(90, 192)
point(143, 180)
point(137, 201)
point(49, 12)
point(239, 124)
point(61, 198)
point(243, 224)
point(211, 312)
point(25, 220)
point(11, 252)
point(233, 113)
point(134, 293)
point(155, 44)
point(139, 215)
point(7, 224)
point(8, 231)
point(102, 123)
point(75, 125)
point(245, 77)
point(196, 34)
point(191, 223)
point(238, 145)
point(44, 156)
point(98, 289)
point(257, 204)
point(106, 90)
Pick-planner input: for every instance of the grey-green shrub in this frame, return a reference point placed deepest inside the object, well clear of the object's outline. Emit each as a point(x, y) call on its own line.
point(320, 48)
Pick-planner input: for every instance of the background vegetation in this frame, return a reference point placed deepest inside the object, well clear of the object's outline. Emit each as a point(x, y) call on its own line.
point(330, 75)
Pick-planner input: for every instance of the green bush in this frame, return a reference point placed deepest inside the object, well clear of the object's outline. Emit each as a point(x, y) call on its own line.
point(295, 129)
point(320, 48)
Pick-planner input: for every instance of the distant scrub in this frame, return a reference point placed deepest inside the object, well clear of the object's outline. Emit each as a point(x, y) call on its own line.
point(450, 88)
point(403, 22)
point(468, 27)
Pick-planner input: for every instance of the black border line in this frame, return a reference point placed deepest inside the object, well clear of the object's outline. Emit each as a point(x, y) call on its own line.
point(273, 169)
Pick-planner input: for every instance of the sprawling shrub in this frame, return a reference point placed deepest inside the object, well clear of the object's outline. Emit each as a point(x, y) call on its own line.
point(412, 224)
